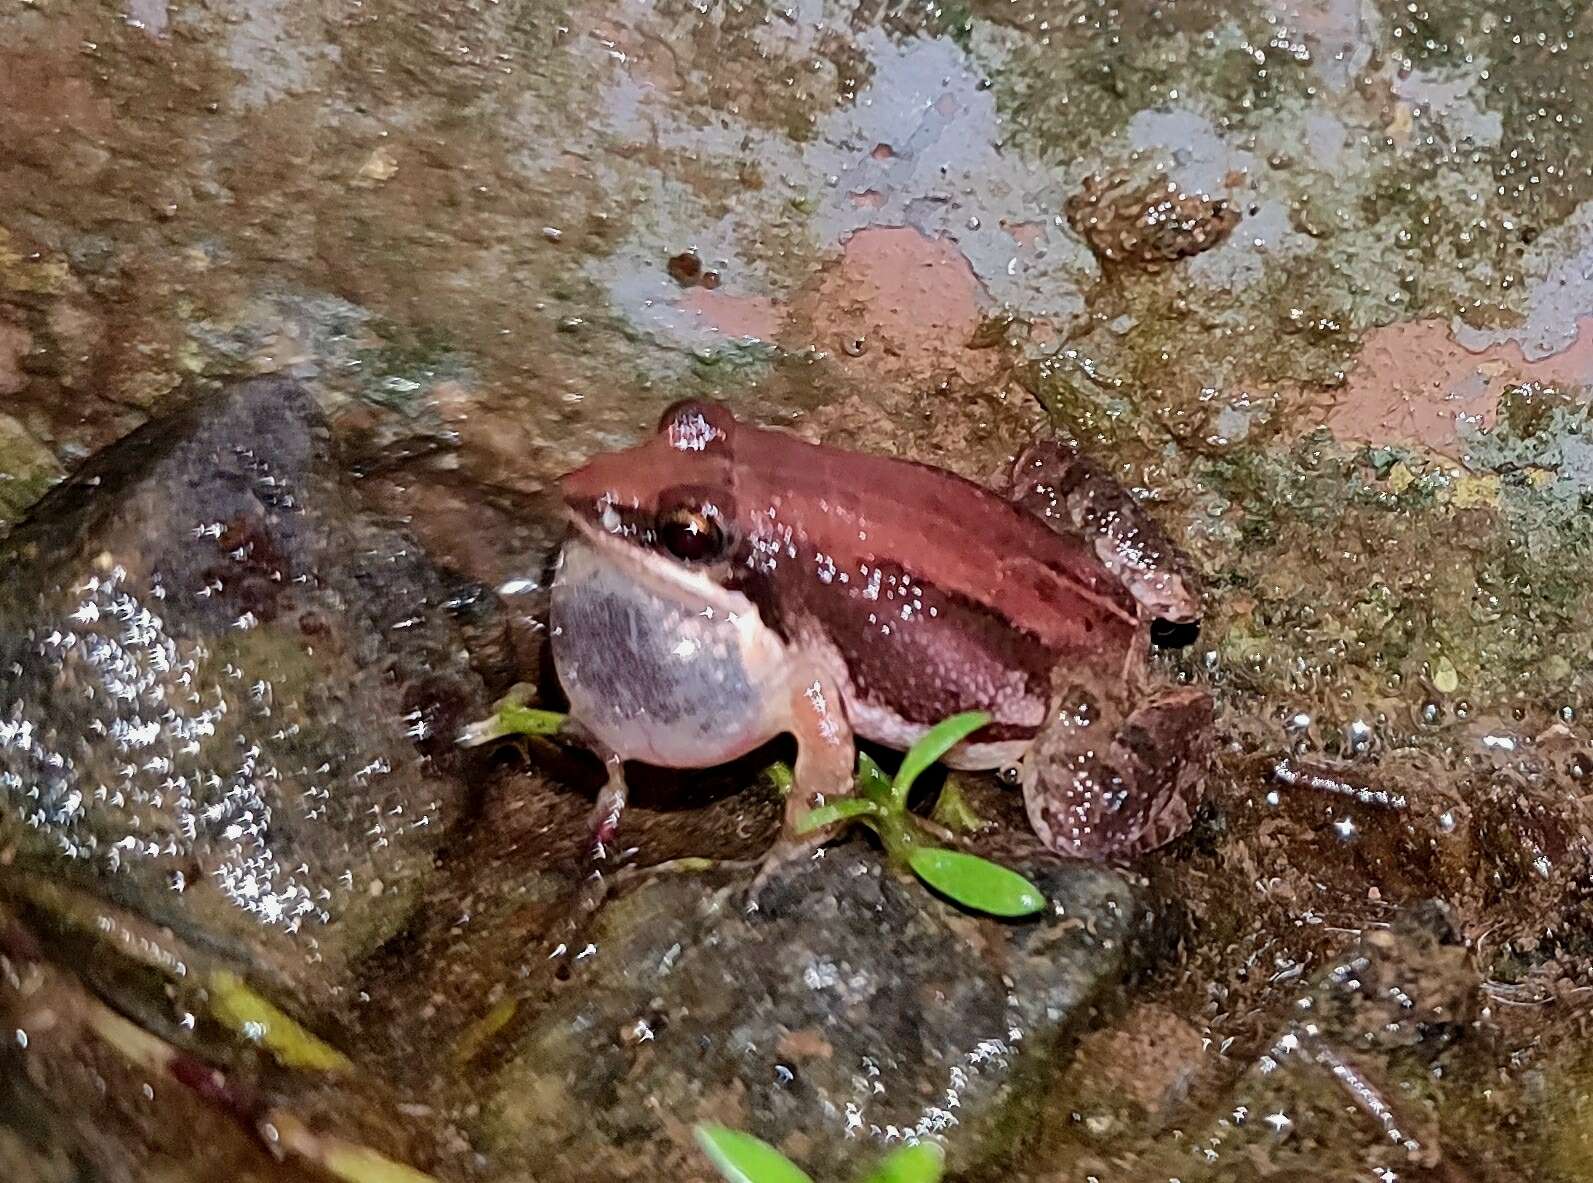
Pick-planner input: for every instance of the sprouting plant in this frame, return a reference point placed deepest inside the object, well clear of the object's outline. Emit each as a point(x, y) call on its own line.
point(741, 1158)
point(881, 805)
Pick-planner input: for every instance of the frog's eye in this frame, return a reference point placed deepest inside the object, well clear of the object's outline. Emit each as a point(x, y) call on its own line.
point(691, 535)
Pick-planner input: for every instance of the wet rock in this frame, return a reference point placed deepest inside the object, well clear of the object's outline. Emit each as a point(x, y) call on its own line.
point(1144, 1065)
point(225, 694)
point(853, 1010)
point(1364, 1043)
point(26, 468)
point(15, 344)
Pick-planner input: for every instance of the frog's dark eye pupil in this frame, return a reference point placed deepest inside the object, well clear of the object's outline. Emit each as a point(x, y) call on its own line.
point(691, 535)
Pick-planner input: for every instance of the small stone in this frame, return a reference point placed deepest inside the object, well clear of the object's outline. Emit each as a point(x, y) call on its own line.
point(685, 268)
point(381, 165)
point(1445, 677)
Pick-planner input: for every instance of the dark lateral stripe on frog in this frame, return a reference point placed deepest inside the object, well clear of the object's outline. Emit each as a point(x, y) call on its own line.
point(958, 657)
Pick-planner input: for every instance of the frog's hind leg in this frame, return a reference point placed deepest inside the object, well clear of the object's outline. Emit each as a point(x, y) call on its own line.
point(1075, 496)
point(1094, 797)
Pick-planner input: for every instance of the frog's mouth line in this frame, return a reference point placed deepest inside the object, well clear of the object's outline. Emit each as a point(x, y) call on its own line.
point(665, 577)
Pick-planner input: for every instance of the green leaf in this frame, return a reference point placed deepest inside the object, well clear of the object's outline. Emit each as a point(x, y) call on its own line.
point(250, 1014)
point(975, 882)
point(843, 810)
point(531, 721)
point(779, 774)
point(741, 1158)
point(937, 741)
point(919, 1163)
point(512, 720)
point(871, 779)
point(953, 811)
point(360, 1164)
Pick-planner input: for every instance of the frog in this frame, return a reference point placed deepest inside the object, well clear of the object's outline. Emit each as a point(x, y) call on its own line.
point(723, 583)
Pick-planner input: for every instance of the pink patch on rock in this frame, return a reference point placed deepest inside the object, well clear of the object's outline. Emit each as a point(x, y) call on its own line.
point(757, 317)
point(911, 290)
point(897, 306)
point(1413, 382)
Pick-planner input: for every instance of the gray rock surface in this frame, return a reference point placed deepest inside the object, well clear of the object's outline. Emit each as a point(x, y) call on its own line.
point(222, 687)
point(852, 1012)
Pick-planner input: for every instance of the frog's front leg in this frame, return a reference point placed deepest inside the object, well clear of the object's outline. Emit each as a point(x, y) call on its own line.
point(611, 797)
point(1101, 781)
point(826, 757)
point(512, 716)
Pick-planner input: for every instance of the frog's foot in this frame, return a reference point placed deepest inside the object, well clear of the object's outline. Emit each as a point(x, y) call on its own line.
point(607, 812)
point(611, 797)
point(1077, 497)
point(793, 848)
point(1094, 796)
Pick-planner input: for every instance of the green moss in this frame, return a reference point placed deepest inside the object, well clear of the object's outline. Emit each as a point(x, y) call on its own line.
point(27, 470)
point(1064, 94)
point(408, 363)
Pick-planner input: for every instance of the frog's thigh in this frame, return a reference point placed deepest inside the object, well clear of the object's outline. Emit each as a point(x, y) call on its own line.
point(1078, 498)
point(1132, 794)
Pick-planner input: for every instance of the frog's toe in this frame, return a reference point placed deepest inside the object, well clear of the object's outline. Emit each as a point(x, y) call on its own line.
point(784, 859)
point(1137, 794)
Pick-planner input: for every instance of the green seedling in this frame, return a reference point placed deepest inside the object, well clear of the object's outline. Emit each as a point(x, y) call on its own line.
point(953, 812)
point(511, 717)
point(741, 1158)
point(881, 805)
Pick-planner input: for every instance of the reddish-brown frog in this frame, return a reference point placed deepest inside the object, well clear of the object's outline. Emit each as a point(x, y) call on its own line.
point(723, 584)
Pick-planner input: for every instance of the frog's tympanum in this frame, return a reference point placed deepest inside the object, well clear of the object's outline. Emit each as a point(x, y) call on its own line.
point(723, 584)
